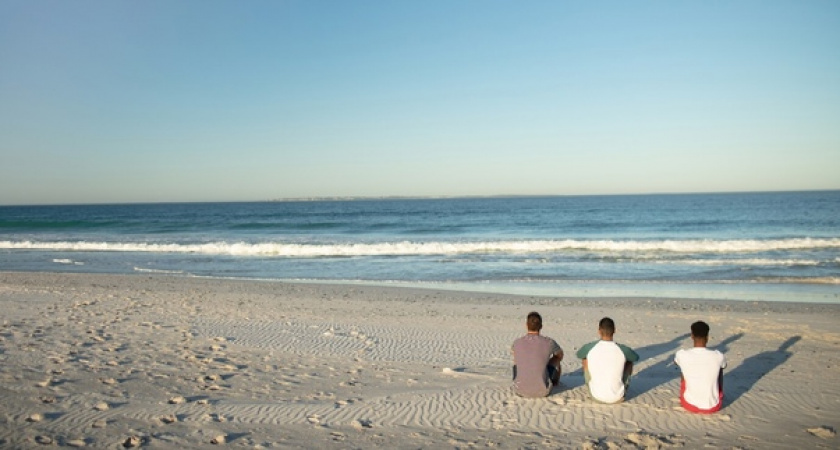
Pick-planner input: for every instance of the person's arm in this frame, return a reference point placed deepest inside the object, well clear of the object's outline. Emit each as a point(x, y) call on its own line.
point(720, 380)
point(557, 354)
point(629, 354)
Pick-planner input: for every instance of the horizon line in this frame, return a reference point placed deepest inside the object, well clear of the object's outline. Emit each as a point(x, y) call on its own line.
point(352, 198)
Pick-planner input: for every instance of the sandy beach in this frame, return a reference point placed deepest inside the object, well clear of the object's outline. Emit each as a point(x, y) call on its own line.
point(108, 361)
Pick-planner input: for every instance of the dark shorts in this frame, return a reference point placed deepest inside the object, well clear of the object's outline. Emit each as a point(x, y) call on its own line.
point(550, 370)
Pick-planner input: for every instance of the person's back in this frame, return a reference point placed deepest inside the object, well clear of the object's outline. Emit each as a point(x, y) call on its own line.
point(536, 361)
point(701, 387)
point(607, 365)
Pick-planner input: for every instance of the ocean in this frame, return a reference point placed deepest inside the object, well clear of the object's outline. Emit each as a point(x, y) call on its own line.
point(742, 246)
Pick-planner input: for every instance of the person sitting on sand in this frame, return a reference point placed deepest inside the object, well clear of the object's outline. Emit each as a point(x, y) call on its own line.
point(536, 361)
point(607, 365)
point(701, 384)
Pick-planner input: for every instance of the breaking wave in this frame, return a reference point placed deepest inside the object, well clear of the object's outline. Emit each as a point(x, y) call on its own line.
point(407, 248)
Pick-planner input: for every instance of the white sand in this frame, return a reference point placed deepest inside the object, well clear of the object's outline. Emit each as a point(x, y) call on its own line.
point(111, 361)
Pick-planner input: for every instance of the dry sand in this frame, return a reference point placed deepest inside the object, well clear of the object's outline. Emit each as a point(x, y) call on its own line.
point(109, 361)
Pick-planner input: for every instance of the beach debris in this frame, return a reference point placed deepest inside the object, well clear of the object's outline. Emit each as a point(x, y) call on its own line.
point(824, 432)
point(314, 419)
point(76, 443)
point(131, 442)
point(169, 419)
point(219, 440)
point(101, 406)
point(47, 399)
point(35, 417)
point(43, 440)
point(361, 424)
point(177, 400)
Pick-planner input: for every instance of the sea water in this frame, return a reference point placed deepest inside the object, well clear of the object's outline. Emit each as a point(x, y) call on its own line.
point(745, 246)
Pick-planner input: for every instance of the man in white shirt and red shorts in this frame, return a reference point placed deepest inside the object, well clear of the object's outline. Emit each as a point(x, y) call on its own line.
point(701, 386)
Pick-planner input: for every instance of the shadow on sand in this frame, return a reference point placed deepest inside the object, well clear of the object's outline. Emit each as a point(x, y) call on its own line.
point(741, 379)
point(658, 374)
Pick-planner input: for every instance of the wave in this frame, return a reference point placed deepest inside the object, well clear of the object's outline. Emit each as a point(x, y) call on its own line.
point(68, 261)
point(407, 248)
point(162, 271)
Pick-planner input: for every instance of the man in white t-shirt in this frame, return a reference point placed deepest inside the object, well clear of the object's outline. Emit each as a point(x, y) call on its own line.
point(607, 365)
point(536, 361)
point(701, 386)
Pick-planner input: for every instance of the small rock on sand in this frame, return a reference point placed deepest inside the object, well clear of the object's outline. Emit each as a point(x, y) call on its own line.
point(43, 440)
point(177, 400)
point(361, 424)
point(77, 443)
point(131, 442)
point(101, 406)
point(169, 419)
point(36, 417)
point(100, 424)
point(219, 440)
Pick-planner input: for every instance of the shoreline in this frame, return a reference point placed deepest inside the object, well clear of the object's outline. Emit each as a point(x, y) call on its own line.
point(491, 291)
point(94, 360)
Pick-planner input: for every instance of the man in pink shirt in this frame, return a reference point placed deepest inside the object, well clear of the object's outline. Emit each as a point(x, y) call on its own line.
point(536, 361)
point(701, 386)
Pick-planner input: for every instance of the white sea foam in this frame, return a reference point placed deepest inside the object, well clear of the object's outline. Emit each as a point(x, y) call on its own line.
point(406, 248)
point(68, 261)
point(146, 270)
point(744, 262)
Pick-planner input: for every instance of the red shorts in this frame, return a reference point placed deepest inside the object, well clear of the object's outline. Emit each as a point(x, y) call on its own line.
point(694, 409)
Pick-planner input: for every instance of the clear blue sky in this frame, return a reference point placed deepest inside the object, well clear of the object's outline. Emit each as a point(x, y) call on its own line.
point(132, 101)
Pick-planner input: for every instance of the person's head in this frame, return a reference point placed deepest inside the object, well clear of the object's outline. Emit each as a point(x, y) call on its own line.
point(606, 327)
point(534, 322)
point(700, 332)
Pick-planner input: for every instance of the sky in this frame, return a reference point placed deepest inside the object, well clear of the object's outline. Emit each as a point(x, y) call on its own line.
point(167, 101)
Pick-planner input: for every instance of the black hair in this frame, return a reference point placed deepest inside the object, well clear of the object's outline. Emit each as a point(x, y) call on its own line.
point(700, 329)
point(607, 326)
point(534, 321)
